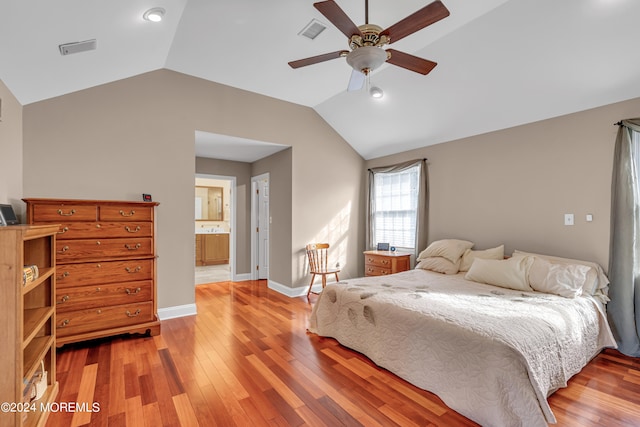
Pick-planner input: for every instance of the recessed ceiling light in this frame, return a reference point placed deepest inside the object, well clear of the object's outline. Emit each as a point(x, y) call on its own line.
point(154, 15)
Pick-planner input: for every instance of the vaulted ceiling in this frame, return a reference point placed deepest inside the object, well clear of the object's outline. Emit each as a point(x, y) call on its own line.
point(501, 63)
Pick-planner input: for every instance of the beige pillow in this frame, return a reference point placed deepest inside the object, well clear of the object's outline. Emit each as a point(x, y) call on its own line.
point(509, 273)
point(566, 280)
point(438, 264)
point(596, 279)
point(451, 249)
point(469, 255)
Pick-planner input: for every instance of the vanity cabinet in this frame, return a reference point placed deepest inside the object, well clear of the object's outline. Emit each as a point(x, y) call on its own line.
point(212, 249)
point(106, 276)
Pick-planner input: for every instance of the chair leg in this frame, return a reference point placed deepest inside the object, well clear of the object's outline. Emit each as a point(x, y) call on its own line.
point(337, 280)
point(324, 280)
point(313, 276)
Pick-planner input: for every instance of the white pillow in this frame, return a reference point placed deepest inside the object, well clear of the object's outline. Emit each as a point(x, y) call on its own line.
point(439, 264)
point(596, 279)
point(509, 273)
point(565, 280)
point(451, 249)
point(469, 255)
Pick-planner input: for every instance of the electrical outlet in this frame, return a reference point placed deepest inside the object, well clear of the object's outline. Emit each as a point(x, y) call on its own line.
point(568, 219)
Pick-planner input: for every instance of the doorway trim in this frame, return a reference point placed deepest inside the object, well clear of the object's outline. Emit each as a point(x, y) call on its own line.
point(232, 220)
point(255, 247)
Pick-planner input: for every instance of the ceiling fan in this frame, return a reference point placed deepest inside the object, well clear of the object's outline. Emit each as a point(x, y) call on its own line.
point(366, 41)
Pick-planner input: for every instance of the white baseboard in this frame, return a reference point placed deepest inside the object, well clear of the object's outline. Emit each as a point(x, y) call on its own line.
point(242, 277)
point(177, 311)
point(292, 292)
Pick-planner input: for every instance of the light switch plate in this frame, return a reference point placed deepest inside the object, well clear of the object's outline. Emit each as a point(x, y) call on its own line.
point(568, 219)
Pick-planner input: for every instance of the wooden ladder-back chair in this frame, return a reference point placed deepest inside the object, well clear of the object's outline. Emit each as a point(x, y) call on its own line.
point(317, 253)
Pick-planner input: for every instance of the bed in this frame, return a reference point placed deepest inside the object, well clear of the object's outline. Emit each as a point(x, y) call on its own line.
point(492, 353)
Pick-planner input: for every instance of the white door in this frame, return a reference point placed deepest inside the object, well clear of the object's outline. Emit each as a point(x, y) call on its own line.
point(262, 221)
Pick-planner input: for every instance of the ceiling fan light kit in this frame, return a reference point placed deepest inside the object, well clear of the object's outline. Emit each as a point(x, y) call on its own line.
point(366, 58)
point(366, 41)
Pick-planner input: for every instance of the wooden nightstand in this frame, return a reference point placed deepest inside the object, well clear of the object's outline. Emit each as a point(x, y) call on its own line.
point(380, 263)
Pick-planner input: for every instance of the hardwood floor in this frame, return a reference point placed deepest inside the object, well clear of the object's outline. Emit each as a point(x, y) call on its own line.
point(247, 360)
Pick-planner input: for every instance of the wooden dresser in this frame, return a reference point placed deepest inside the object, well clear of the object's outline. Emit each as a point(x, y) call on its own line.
point(379, 263)
point(106, 276)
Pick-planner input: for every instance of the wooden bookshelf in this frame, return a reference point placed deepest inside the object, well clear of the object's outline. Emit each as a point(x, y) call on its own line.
point(27, 321)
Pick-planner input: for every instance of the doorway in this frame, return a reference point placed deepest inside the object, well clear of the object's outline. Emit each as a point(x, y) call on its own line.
point(260, 222)
point(215, 236)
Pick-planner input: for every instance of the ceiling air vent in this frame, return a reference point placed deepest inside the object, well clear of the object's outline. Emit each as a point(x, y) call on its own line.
point(312, 29)
point(75, 47)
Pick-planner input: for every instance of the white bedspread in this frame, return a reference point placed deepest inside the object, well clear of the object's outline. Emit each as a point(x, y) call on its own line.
point(492, 354)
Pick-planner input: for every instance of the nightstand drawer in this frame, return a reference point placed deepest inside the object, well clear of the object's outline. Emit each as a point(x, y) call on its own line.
point(126, 213)
point(377, 260)
point(372, 270)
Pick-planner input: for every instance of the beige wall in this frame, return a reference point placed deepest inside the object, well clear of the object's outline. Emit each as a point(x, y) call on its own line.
point(136, 135)
point(514, 186)
point(11, 151)
point(279, 168)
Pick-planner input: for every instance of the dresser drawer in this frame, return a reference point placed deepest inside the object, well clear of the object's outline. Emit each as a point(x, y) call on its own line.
point(93, 319)
point(64, 213)
point(377, 261)
point(125, 213)
point(102, 248)
point(93, 273)
point(83, 297)
point(372, 270)
point(100, 230)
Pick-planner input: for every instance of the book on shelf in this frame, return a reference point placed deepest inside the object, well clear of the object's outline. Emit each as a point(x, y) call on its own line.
point(30, 273)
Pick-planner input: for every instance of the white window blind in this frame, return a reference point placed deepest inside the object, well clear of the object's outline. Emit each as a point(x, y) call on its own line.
point(394, 208)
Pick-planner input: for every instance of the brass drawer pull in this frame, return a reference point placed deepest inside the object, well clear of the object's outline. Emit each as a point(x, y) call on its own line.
point(128, 291)
point(64, 323)
point(64, 230)
point(133, 270)
point(98, 243)
point(131, 213)
point(63, 275)
point(130, 231)
point(132, 248)
point(128, 313)
point(71, 212)
point(64, 299)
point(64, 249)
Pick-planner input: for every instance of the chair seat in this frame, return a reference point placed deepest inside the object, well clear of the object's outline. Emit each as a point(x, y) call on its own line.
point(325, 271)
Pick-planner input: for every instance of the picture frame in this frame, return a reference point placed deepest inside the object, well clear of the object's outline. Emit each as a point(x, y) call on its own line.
point(383, 246)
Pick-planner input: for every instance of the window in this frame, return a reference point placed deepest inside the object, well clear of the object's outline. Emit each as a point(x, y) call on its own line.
point(394, 207)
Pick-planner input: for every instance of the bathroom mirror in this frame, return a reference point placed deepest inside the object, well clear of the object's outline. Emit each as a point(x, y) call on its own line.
point(209, 206)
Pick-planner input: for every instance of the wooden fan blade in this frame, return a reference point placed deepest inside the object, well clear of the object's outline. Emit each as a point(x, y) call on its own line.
point(410, 62)
point(336, 15)
point(423, 18)
point(319, 58)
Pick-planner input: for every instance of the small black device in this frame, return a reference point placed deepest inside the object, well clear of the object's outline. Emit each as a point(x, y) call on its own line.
point(7, 215)
point(146, 198)
point(383, 246)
